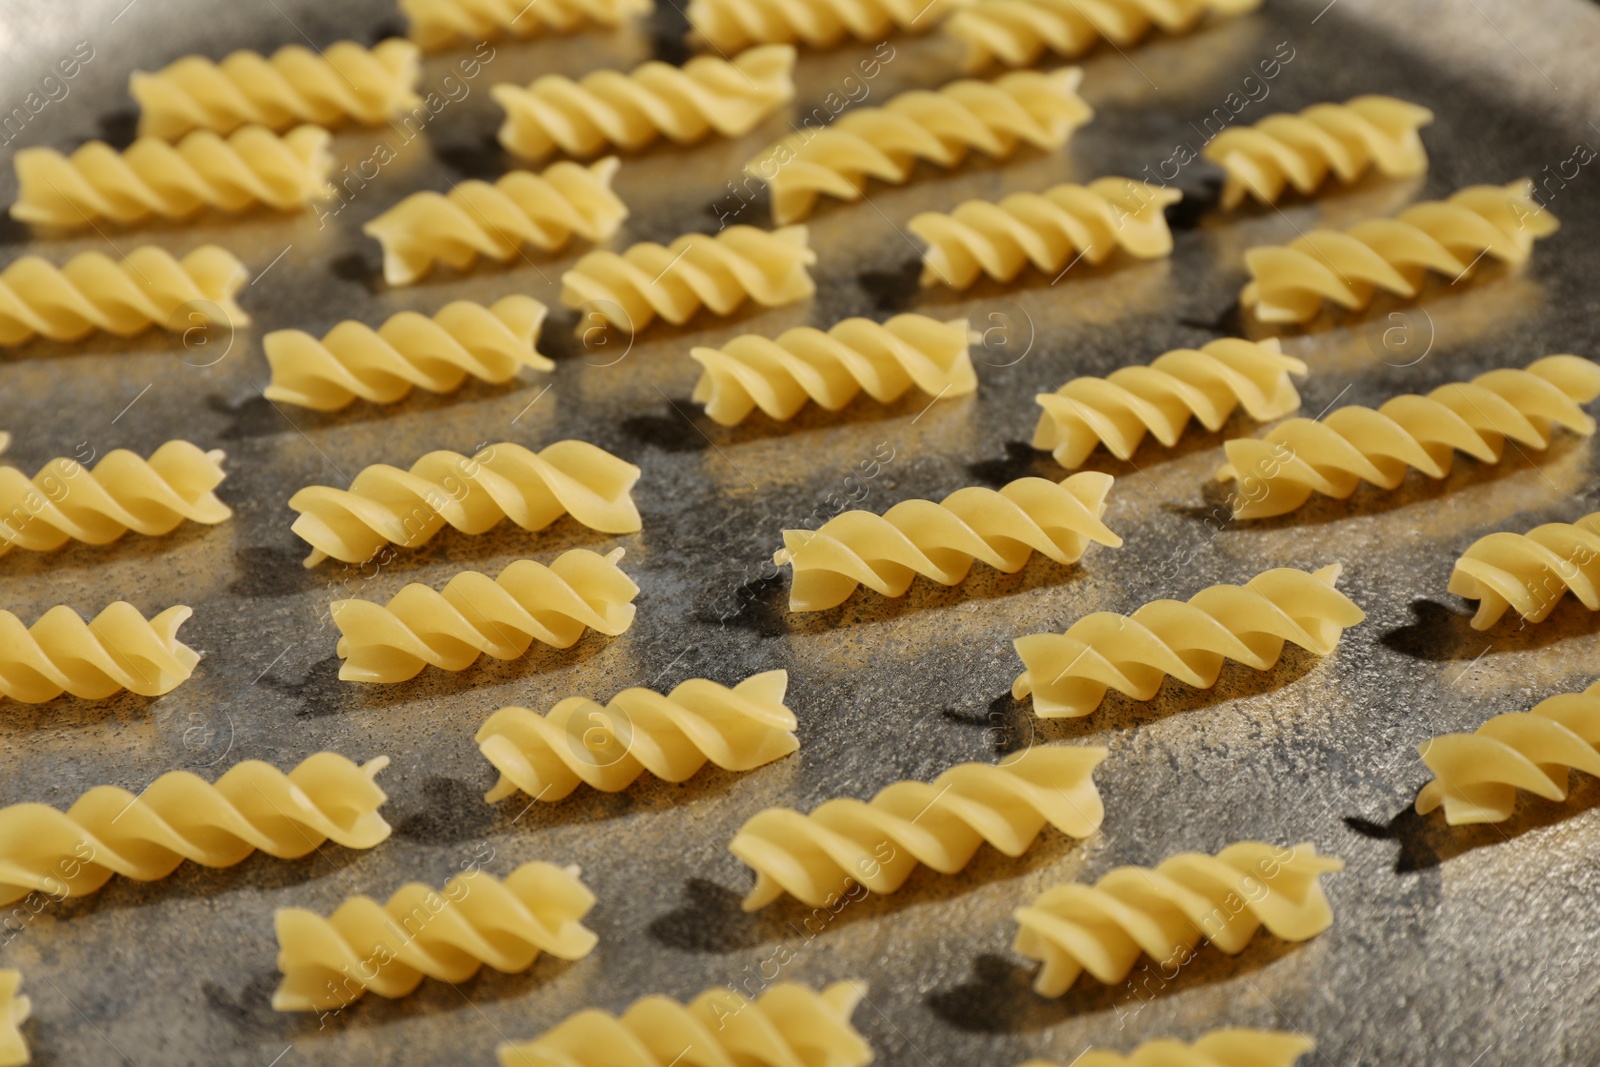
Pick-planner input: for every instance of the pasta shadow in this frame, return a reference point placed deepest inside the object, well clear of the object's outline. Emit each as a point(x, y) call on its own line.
point(1439, 634)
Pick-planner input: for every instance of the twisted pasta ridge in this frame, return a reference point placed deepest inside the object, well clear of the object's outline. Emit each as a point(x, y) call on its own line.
point(446, 934)
point(729, 25)
point(994, 118)
point(1289, 282)
point(1301, 150)
point(438, 24)
point(477, 615)
point(1165, 912)
point(495, 220)
point(120, 649)
point(252, 807)
point(408, 351)
point(1003, 528)
point(940, 823)
point(671, 736)
point(884, 359)
point(151, 177)
point(1532, 571)
point(386, 505)
point(1477, 775)
point(685, 104)
point(719, 272)
point(14, 1011)
point(1068, 674)
point(1333, 455)
point(91, 292)
point(1018, 32)
point(68, 502)
point(345, 81)
point(1052, 230)
point(1208, 384)
point(786, 1026)
point(1232, 1047)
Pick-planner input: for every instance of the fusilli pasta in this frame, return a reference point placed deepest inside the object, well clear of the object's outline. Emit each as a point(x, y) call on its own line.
point(1232, 1047)
point(729, 25)
point(120, 649)
point(14, 1011)
point(438, 24)
point(1532, 571)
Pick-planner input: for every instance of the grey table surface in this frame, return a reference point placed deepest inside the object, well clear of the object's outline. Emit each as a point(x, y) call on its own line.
point(1468, 946)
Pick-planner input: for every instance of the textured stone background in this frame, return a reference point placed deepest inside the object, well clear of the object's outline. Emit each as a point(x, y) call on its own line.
point(1466, 947)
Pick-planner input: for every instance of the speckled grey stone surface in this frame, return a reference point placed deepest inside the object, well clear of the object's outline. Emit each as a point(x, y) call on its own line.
point(1450, 946)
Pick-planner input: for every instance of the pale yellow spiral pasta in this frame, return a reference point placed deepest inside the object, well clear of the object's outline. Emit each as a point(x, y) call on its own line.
point(941, 541)
point(1333, 455)
point(386, 505)
point(1069, 674)
point(477, 615)
point(628, 290)
point(14, 1011)
point(1301, 150)
point(629, 110)
point(151, 177)
point(446, 934)
point(941, 824)
point(1477, 775)
point(120, 649)
point(1208, 384)
point(941, 127)
point(438, 24)
point(1290, 282)
point(1052, 230)
point(729, 25)
point(788, 1025)
point(343, 82)
point(92, 292)
point(66, 501)
point(1233, 1047)
point(496, 220)
point(1017, 32)
point(886, 360)
point(1165, 912)
point(408, 351)
point(1531, 572)
point(252, 807)
point(608, 747)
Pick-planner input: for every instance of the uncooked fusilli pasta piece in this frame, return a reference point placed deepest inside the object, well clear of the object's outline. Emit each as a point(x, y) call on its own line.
point(1531, 572)
point(1208, 383)
point(91, 292)
point(1301, 150)
point(408, 351)
point(1003, 528)
point(883, 359)
point(252, 807)
point(1289, 282)
point(628, 290)
point(447, 934)
point(1477, 775)
point(120, 649)
point(1233, 1047)
point(1017, 33)
point(386, 505)
point(1334, 454)
point(66, 501)
point(608, 747)
point(1165, 912)
point(343, 82)
point(941, 127)
point(685, 104)
point(940, 823)
point(1068, 674)
point(14, 1011)
point(438, 24)
point(788, 1025)
point(477, 615)
point(151, 177)
point(729, 25)
point(495, 220)
point(1053, 230)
